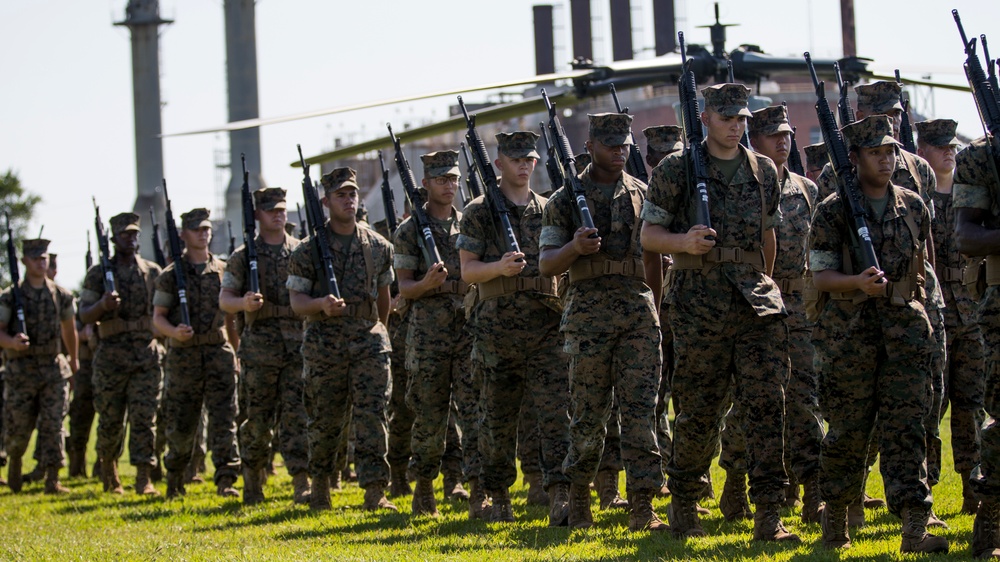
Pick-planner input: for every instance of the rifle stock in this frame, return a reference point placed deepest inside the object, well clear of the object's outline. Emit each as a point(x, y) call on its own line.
point(698, 176)
point(417, 212)
point(177, 255)
point(161, 260)
point(565, 152)
point(322, 256)
point(103, 250)
point(249, 232)
point(388, 199)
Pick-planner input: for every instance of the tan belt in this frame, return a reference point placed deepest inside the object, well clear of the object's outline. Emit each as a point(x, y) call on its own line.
point(52, 348)
point(898, 292)
point(993, 270)
point(215, 337)
point(450, 287)
point(791, 286)
point(361, 311)
point(951, 274)
point(589, 268)
point(108, 328)
point(717, 255)
point(501, 286)
point(273, 311)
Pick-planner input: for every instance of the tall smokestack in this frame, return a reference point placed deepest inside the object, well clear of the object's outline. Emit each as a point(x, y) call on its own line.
point(142, 18)
point(621, 30)
point(583, 44)
point(545, 57)
point(664, 26)
point(241, 75)
point(847, 28)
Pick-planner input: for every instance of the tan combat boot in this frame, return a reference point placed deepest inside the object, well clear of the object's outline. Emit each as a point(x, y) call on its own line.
point(14, 479)
point(423, 498)
point(856, 513)
point(191, 473)
point(767, 525)
point(868, 501)
point(502, 510)
point(375, 499)
point(398, 484)
point(52, 484)
point(733, 504)
point(641, 516)
point(558, 504)
point(143, 483)
point(915, 535)
point(253, 486)
point(607, 491)
point(811, 502)
point(685, 523)
point(970, 504)
point(986, 531)
point(225, 487)
point(479, 501)
point(453, 489)
point(536, 489)
point(175, 484)
point(77, 467)
point(109, 472)
point(319, 498)
point(301, 488)
point(580, 516)
point(833, 520)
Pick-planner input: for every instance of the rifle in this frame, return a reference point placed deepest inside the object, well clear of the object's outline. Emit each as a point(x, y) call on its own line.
point(472, 181)
point(905, 130)
point(495, 200)
point(634, 165)
point(89, 258)
point(698, 175)
point(987, 99)
point(847, 181)
point(249, 233)
point(232, 239)
point(990, 69)
point(745, 140)
point(322, 257)
point(302, 222)
point(388, 200)
point(17, 324)
point(556, 176)
point(175, 253)
point(565, 152)
point(794, 158)
point(417, 212)
point(161, 260)
point(844, 109)
point(103, 250)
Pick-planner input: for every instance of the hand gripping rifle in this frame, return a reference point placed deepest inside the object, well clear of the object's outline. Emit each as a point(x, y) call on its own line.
point(565, 152)
point(322, 257)
point(103, 250)
point(635, 166)
point(794, 158)
point(847, 181)
point(495, 200)
point(174, 239)
point(249, 231)
point(388, 200)
point(905, 130)
point(17, 324)
point(161, 260)
point(698, 176)
point(417, 212)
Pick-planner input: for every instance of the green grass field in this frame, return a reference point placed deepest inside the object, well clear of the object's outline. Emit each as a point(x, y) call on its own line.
point(90, 525)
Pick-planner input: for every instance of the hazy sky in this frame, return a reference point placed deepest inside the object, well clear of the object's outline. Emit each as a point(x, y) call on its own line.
point(66, 111)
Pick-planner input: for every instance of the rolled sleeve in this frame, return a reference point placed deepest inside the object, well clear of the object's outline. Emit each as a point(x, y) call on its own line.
point(162, 298)
point(470, 244)
point(5, 314)
point(654, 214)
point(820, 260)
point(88, 297)
point(386, 277)
point(230, 282)
point(403, 261)
point(971, 196)
point(555, 236)
point(299, 284)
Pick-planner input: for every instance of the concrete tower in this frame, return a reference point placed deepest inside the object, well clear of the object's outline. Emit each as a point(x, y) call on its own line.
point(142, 17)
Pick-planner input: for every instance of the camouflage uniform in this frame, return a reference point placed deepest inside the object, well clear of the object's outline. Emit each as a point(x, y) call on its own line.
point(81, 407)
point(515, 326)
point(873, 354)
point(36, 381)
point(202, 371)
point(438, 348)
point(610, 325)
point(346, 359)
point(127, 378)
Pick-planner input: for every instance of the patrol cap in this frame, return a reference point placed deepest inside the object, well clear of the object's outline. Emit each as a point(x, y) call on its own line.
point(879, 97)
point(441, 163)
point(664, 139)
point(35, 247)
point(269, 198)
point(870, 132)
point(727, 99)
point(611, 129)
point(937, 132)
point(195, 219)
point(816, 156)
point(582, 160)
point(770, 121)
point(519, 144)
point(290, 228)
point(124, 222)
point(339, 178)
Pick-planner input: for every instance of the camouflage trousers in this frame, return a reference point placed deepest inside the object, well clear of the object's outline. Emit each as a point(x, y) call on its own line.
point(985, 477)
point(127, 385)
point(664, 437)
point(401, 417)
point(81, 408)
point(202, 376)
point(964, 387)
point(746, 363)
point(932, 423)
point(438, 375)
point(604, 367)
point(875, 372)
point(272, 382)
point(512, 368)
point(36, 389)
point(347, 377)
point(529, 448)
